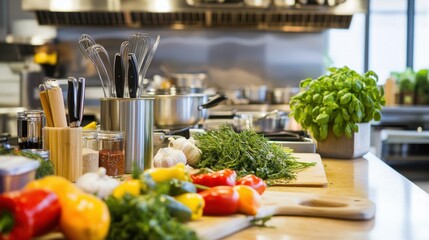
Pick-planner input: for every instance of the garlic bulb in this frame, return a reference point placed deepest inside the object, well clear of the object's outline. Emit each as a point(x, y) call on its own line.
point(97, 183)
point(168, 157)
point(187, 146)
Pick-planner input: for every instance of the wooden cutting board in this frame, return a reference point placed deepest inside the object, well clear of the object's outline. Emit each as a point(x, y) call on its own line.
point(311, 177)
point(285, 203)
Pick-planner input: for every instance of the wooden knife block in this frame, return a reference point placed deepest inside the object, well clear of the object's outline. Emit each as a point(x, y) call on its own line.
point(65, 149)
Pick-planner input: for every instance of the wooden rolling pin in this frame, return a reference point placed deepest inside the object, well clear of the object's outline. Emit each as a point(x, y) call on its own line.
point(56, 103)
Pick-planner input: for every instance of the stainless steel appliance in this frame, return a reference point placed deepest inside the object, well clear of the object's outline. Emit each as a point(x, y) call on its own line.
point(289, 136)
point(273, 15)
point(404, 146)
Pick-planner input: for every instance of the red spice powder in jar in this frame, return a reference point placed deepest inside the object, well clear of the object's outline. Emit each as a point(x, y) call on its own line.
point(112, 152)
point(112, 161)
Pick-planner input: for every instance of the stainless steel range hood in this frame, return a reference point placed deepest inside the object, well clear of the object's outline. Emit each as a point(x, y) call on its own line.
point(272, 15)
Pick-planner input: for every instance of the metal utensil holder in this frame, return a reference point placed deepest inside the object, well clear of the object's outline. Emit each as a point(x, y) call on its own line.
point(133, 116)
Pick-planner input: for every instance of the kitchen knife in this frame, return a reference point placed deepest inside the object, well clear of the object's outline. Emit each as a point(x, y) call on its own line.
point(80, 100)
point(119, 76)
point(133, 75)
point(72, 101)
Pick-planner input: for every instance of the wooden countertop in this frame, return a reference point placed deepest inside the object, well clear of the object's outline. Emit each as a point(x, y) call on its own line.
point(402, 208)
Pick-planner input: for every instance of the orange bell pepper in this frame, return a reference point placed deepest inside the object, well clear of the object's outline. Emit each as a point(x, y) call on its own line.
point(249, 200)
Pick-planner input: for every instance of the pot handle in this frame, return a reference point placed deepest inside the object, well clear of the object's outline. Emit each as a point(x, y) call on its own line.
point(213, 102)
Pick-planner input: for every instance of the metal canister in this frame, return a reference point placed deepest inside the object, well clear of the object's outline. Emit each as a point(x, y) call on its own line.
point(30, 124)
point(134, 117)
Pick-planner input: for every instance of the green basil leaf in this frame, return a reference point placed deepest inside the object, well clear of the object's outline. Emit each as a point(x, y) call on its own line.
point(345, 114)
point(348, 131)
point(315, 131)
point(322, 119)
point(338, 130)
point(345, 99)
point(323, 131)
point(304, 83)
point(317, 98)
point(377, 115)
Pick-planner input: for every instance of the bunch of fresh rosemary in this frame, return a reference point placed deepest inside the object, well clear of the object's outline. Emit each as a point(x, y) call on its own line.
point(247, 152)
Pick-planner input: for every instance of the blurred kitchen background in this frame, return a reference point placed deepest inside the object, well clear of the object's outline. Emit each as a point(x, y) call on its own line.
point(237, 44)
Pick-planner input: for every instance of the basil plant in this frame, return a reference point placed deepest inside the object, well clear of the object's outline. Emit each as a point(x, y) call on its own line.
point(337, 100)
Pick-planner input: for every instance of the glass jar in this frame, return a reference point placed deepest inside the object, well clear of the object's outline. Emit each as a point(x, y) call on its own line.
point(30, 124)
point(112, 152)
point(90, 156)
point(89, 139)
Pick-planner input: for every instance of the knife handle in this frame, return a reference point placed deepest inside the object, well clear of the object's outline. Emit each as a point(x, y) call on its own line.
point(80, 99)
point(71, 100)
point(119, 76)
point(132, 75)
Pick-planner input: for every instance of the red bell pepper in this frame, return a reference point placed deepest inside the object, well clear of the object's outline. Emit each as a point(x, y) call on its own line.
point(220, 200)
point(226, 177)
point(253, 181)
point(28, 213)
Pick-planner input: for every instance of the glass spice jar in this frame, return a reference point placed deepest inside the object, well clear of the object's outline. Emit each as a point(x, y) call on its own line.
point(112, 152)
point(90, 160)
point(89, 139)
point(30, 124)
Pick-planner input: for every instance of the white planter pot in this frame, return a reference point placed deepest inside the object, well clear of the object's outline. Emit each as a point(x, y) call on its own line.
point(344, 147)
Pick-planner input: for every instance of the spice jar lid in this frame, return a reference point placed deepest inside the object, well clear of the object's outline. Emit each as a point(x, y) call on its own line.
point(30, 113)
point(110, 135)
point(89, 134)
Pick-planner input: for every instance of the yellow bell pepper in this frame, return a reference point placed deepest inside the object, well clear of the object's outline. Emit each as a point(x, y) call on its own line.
point(193, 201)
point(83, 216)
point(163, 174)
point(131, 186)
point(59, 185)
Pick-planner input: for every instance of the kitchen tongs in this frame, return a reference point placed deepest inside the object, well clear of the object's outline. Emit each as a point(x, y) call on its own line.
point(75, 100)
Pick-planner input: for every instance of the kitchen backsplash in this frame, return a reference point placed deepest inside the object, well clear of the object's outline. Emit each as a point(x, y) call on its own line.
point(232, 59)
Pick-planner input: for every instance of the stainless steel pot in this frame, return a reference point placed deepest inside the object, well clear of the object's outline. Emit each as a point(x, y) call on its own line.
point(283, 95)
point(189, 82)
point(274, 121)
point(182, 110)
point(257, 94)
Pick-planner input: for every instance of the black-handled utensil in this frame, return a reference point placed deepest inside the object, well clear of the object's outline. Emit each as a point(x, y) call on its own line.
point(133, 75)
point(80, 100)
point(119, 76)
point(72, 100)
